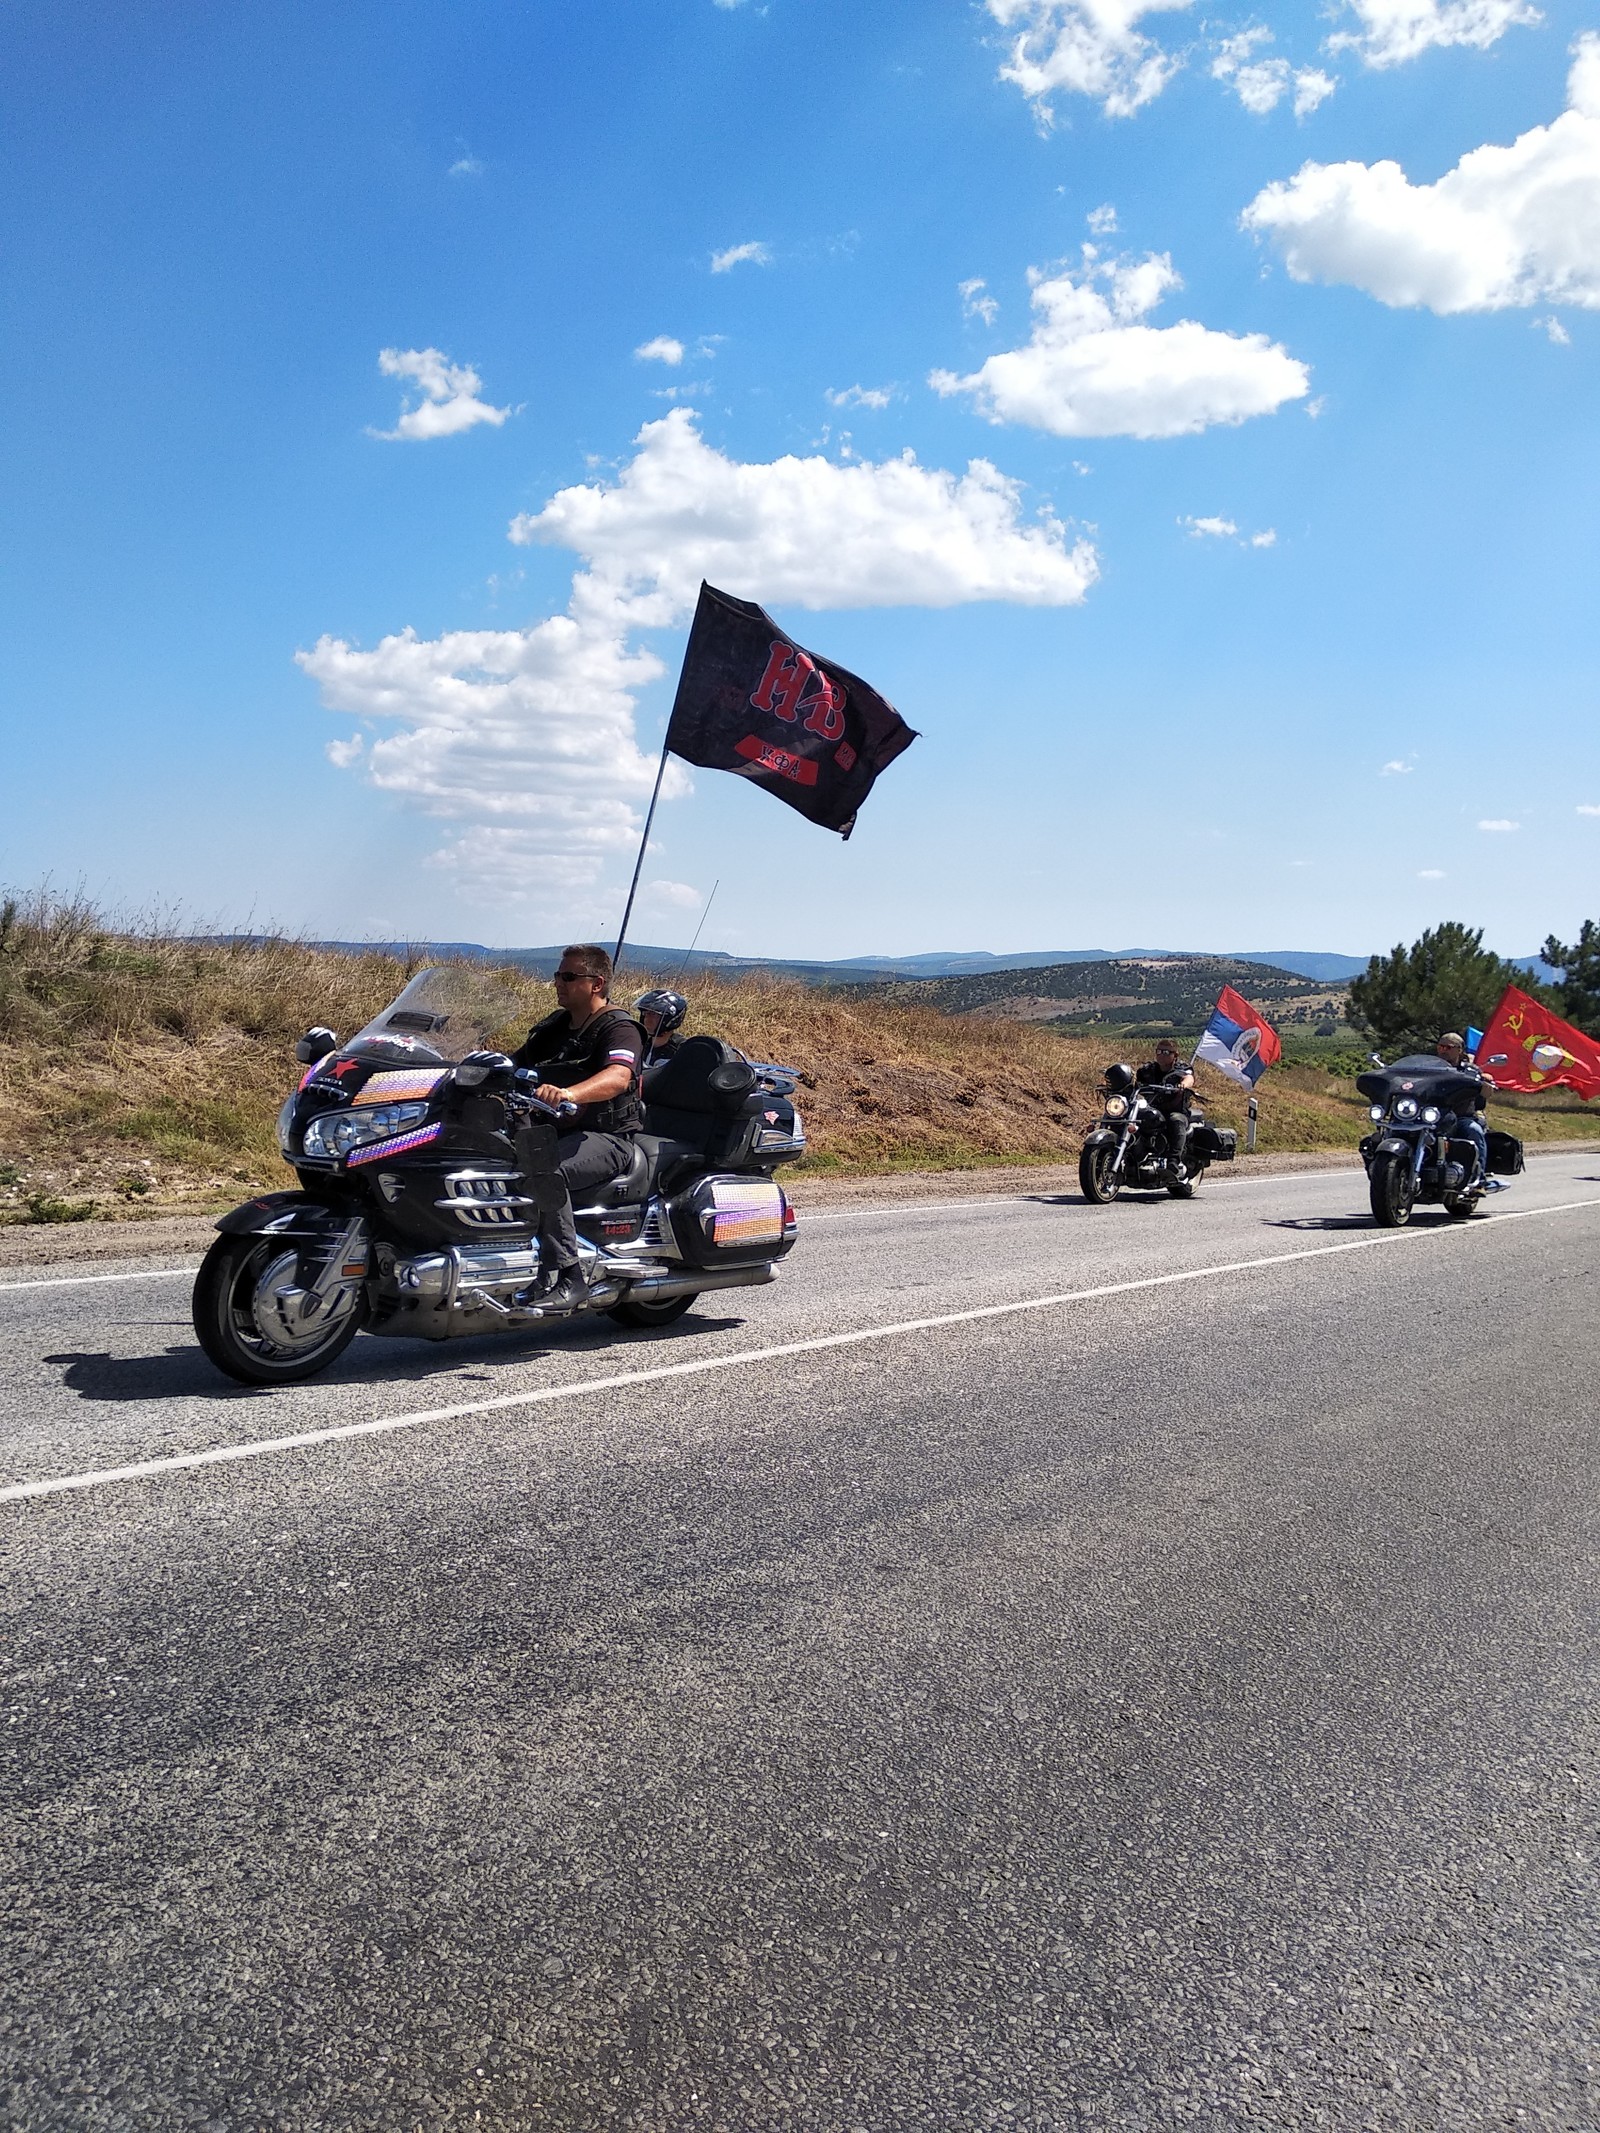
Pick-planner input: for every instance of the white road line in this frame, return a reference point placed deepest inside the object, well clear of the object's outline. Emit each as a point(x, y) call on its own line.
point(83, 1281)
point(545, 1396)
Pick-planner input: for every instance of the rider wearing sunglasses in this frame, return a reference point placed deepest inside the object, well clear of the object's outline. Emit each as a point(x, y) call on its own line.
point(588, 1053)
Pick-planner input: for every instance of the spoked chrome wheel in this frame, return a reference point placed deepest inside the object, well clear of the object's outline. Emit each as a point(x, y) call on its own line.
point(1100, 1182)
point(258, 1324)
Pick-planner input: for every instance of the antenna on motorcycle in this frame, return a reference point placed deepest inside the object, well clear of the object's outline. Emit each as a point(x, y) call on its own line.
point(689, 951)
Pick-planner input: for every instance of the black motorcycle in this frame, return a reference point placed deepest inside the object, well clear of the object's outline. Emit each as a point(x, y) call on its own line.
point(424, 1159)
point(1130, 1145)
point(1412, 1157)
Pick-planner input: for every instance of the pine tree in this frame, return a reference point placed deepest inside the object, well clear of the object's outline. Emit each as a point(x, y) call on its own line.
point(1578, 994)
point(1445, 980)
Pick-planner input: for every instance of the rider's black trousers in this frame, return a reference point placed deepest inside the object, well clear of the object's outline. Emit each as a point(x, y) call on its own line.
point(585, 1161)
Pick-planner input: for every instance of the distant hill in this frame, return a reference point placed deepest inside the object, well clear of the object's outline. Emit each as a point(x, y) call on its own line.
point(663, 964)
point(1127, 994)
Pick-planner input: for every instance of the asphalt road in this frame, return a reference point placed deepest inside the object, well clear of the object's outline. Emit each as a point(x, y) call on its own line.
point(1150, 1684)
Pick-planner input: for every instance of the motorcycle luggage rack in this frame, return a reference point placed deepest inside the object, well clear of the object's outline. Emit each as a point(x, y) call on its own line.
point(482, 1199)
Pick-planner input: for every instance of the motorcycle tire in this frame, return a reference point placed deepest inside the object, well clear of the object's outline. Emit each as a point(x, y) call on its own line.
point(644, 1315)
point(226, 1326)
point(1184, 1189)
point(1391, 1192)
point(1461, 1207)
point(1100, 1185)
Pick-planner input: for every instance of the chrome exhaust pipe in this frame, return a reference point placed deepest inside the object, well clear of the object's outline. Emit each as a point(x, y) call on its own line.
point(667, 1286)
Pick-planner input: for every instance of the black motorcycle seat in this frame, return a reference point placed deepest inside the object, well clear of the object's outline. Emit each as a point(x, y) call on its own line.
point(666, 1154)
point(629, 1186)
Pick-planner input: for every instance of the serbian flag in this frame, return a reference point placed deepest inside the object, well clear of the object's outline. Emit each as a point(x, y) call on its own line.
point(1526, 1047)
point(1238, 1041)
point(752, 701)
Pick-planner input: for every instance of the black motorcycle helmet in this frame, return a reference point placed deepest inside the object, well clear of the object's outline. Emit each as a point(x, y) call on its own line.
point(1119, 1079)
point(670, 1006)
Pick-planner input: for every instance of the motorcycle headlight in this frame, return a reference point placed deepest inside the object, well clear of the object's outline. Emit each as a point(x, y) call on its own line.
point(1116, 1107)
point(1377, 1113)
point(1430, 1116)
point(335, 1133)
point(1406, 1107)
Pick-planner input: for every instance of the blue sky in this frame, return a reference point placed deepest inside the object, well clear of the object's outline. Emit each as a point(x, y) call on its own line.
point(383, 385)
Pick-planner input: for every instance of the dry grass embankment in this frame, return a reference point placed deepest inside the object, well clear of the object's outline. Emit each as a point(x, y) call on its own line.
point(142, 1071)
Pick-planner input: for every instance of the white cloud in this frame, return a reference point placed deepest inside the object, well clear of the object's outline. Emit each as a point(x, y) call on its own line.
point(1507, 226)
point(1398, 769)
point(449, 402)
point(466, 167)
point(1086, 48)
point(1218, 528)
point(1430, 874)
point(875, 396)
point(1261, 84)
point(737, 255)
point(673, 895)
point(1103, 220)
point(663, 349)
point(975, 304)
point(1585, 809)
point(1266, 538)
point(808, 532)
point(1396, 30)
point(1499, 825)
point(1556, 331)
point(1092, 369)
point(524, 740)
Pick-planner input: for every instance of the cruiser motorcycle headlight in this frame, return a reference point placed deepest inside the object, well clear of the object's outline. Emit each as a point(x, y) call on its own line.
point(1377, 1112)
point(1406, 1107)
point(1430, 1116)
point(335, 1133)
point(1116, 1107)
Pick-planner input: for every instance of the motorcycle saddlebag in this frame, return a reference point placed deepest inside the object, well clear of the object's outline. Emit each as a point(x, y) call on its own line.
point(1505, 1154)
point(728, 1221)
point(1213, 1144)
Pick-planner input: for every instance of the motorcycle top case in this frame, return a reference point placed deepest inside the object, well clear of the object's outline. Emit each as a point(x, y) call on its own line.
point(726, 1220)
point(1505, 1154)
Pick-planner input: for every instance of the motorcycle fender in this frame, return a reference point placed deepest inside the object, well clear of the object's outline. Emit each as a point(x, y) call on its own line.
point(278, 1214)
point(1101, 1138)
point(1393, 1147)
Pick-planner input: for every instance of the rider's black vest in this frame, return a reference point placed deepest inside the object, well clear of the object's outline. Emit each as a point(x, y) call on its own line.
point(619, 1114)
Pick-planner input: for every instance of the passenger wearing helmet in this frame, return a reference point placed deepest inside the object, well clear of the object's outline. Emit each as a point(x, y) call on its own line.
point(660, 1016)
point(1169, 1083)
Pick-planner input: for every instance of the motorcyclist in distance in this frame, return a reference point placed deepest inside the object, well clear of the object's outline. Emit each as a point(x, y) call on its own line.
point(1170, 1081)
point(1469, 1125)
point(660, 1015)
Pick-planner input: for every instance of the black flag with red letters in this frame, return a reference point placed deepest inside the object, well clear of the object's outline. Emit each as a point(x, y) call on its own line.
point(752, 701)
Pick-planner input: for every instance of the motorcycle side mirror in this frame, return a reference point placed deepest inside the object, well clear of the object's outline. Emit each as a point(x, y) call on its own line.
point(314, 1045)
point(484, 1069)
point(1375, 1059)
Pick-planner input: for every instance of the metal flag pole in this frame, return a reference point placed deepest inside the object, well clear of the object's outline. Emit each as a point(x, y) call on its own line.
point(705, 914)
point(638, 865)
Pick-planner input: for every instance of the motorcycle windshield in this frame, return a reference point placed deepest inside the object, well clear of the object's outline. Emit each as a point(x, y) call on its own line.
point(1425, 1076)
point(447, 1012)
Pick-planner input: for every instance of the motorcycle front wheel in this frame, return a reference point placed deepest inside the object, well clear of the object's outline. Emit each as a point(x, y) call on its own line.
point(1390, 1191)
point(243, 1324)
point(1100, 1182)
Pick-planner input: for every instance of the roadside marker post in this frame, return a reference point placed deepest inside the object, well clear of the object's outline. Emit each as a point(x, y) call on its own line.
point(1250, 1127)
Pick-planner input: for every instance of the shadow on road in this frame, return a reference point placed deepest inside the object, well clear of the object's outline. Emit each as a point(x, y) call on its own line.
point(1132, 1198)
point(183, 1373)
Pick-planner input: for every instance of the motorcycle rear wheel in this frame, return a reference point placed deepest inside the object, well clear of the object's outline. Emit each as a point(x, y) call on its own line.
point(1184, 1189)
point(1099, 1182)
point(227, 1309)
point(644, 1315)
point(1391, 1192)
point(1461, 1207)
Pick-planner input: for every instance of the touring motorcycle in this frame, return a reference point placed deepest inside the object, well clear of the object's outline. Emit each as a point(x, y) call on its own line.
point(1129, 1146)
point(424, 1159)
point(1411, 1156)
